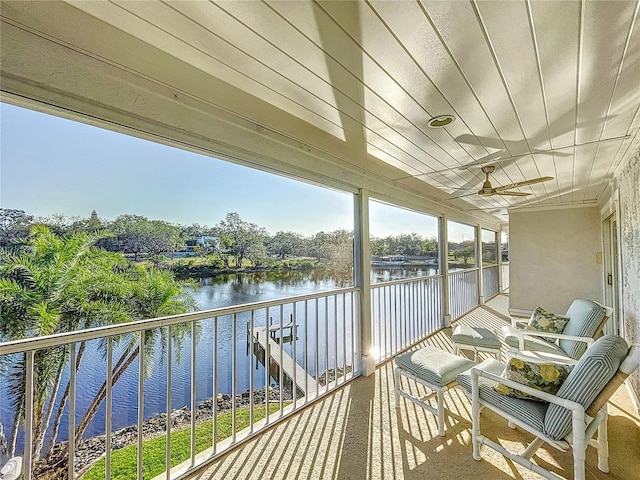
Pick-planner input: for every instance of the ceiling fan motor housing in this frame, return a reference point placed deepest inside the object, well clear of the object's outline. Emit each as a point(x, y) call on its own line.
point(487, 188)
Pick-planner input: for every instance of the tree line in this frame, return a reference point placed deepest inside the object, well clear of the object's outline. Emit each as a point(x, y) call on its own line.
point(231, 243)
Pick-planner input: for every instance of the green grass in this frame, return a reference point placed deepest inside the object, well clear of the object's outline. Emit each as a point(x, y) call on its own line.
point(124, 461)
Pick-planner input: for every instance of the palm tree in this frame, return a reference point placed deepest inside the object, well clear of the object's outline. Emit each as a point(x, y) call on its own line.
point(102, 291)
point(35, 301)
point(61, 284)
point(156, 294)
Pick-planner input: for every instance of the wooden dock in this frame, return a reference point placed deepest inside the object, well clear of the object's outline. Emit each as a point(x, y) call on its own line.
point(290, 367)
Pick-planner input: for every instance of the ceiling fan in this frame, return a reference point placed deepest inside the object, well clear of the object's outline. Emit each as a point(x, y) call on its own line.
point(500, 157)
point(488, 190)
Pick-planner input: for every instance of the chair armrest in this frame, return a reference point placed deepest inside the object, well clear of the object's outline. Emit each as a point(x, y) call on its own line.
point(539, 357)
point(476, 373)
point(535, 333)
point(516, 320)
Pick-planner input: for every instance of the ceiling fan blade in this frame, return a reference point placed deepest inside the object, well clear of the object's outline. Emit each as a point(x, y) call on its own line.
point(502, 150)
point(462, 196)
point(523, 183)
point(513, 194)
point(480, 141)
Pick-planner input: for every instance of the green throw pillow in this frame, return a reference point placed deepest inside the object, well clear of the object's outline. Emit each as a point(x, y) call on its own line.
point(543, 321)
point(547, 377)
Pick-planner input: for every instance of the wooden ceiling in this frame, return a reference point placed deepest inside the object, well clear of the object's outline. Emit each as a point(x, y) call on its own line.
point(537, 88)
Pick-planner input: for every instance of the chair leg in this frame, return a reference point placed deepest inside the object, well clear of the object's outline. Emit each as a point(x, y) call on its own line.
point(440, 416)
point(578, 464)
point(532, 448)
point(396, 390)
point(603, 444)
point(579, 446)
point(475, 418)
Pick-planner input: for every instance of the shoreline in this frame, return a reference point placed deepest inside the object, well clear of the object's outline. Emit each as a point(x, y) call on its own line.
point(182, 271)
point(90, 450)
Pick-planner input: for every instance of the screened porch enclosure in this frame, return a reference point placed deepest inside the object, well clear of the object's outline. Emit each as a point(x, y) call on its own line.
point(297, 350)
point(514, 117)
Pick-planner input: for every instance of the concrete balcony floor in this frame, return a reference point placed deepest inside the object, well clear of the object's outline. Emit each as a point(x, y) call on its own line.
point(357, 433)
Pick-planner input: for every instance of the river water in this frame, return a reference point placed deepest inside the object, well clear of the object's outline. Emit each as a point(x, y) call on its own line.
point(221, 291)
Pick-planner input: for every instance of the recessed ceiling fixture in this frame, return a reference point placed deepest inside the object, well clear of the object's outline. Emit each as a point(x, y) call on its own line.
point(441, 121)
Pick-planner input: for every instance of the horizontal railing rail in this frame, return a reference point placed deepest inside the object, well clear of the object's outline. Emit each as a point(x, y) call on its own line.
point(57, 339)
point(404, 312)
point(269, 357)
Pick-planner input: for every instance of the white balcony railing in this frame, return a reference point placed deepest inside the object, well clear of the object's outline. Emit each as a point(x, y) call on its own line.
point(403, 312)
point(266, 358)
point(297, 349)
point(463, 292)
point(505, 276)
point(490, 282)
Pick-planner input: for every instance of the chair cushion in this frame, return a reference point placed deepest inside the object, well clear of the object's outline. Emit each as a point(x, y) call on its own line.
point(433, 365)
point(510, 336)
point(544, 321)
point(532, 413)
point(584, 318)
point(475, 336)
point(544, 376)
point(588, 377)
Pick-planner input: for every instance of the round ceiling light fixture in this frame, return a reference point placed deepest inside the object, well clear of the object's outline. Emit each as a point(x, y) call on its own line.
point(441, 121)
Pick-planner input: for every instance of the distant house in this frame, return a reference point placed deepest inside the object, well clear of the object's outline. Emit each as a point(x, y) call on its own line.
point(204, 241)
point(208, 241)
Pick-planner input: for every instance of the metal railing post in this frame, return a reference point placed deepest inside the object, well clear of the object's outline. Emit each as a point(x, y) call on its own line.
point(108, 409)
point(444, 269)
point(478, 230)
point(141, 372)
point(27, 458)
point(72, 410)
point(499, 258)
point(362, 264)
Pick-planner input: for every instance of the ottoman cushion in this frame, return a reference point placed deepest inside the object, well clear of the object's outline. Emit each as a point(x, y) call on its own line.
point(433, 365)
point(475, 336)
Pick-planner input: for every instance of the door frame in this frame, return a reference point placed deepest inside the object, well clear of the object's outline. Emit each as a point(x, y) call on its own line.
point(612, 286)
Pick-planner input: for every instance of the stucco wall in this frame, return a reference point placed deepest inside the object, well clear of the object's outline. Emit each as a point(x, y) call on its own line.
point(629, 188)
point(553, 258)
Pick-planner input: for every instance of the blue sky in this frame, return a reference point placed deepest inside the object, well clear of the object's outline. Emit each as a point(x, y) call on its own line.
point(51, 165)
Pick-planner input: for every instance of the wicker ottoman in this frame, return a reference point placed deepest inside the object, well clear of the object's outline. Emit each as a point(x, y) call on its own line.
point(433, 368)
point(477, 339)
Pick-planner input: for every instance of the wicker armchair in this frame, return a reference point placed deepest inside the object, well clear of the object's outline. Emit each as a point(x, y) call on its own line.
point(586, 322)
point(566, 420)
